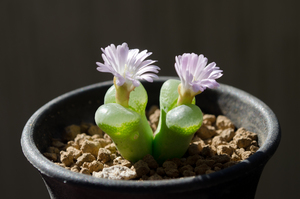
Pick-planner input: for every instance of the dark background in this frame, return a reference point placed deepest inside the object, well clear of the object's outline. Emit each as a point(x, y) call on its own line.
point(50, 47)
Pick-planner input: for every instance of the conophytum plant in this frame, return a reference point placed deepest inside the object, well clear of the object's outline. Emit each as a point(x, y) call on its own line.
point(122, 116)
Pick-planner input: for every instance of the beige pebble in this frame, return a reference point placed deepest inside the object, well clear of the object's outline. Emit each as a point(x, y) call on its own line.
point(193, 149)
point(224, 149)
point(200, 170)
point(160, 171)
point(111, 147)
point(209, 119)
point(94, 166)
point(85, 157)
point(121, 161)
point(51, 156)
point(242, 142)
point(208, 141)
point(221, 158)
point(242, 132)
point(75, 168)
point(206, 132)
point(103, 142)
point(177, 161)
point(171, 172)
point(79, 139)
point(227, 134)
point(151, 110)
point(188, 173)
point(95, 130)
point(206, 151)
point(151, 172)
point(141, 168)
point(154, 117)
point(218, 140)
point(90, 147)
point(52, 149)
point(235, 157)
point(73, 144)
point(191, 160)
point(218, 165)
point(103, 155)
point(196, 147)
point(150, 161)
point(209, 171)
point(209, 162)
point(186, 167)
point(66, 158)
point(58, 144)
point(222, 122)
point(71, 132)
point(85, 171)
point(106, 137)
point(246, 154)
point(169, 164)
point(253, 148)
point(85, 126)
point(155, 177)
point(74, 152)
point(116, 172)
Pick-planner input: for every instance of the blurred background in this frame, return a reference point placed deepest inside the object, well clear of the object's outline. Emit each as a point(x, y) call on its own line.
point(48, 48)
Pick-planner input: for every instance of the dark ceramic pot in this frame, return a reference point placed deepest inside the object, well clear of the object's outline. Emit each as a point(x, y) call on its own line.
point(239, 181)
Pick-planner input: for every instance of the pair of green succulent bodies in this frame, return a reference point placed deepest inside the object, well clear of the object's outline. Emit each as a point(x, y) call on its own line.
point(131, 132)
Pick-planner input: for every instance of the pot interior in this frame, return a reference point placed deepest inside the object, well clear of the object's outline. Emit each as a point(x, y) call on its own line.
point(80, 105)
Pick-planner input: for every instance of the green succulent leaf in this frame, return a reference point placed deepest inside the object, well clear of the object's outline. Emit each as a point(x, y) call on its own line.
point(184, 119)
point(169, 94)
point(117, 120)
point(177, 124)
point(128, 127)
point(138, 98)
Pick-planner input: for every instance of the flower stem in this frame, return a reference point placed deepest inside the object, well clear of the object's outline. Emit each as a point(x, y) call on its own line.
point(122, 93)
point(185, 96)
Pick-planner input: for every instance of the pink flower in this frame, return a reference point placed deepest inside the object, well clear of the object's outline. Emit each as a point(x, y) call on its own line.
point(127, 65)
point(194, 74)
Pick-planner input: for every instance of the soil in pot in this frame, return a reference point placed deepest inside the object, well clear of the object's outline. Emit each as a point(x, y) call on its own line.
point(216, 145)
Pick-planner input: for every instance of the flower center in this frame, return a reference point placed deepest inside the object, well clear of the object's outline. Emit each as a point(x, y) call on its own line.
point(194, 78)
point(125, 70)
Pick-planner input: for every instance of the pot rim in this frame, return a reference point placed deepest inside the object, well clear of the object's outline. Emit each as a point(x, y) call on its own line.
point(48, 168)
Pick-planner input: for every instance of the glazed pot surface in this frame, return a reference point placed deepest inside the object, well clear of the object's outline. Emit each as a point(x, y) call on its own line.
point(238, 181)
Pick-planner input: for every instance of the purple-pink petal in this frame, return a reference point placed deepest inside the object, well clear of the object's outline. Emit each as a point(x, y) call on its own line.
point(149, 77)
point(127, 65)
point(120, 81)
point(135, 83)
point(194, 72)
